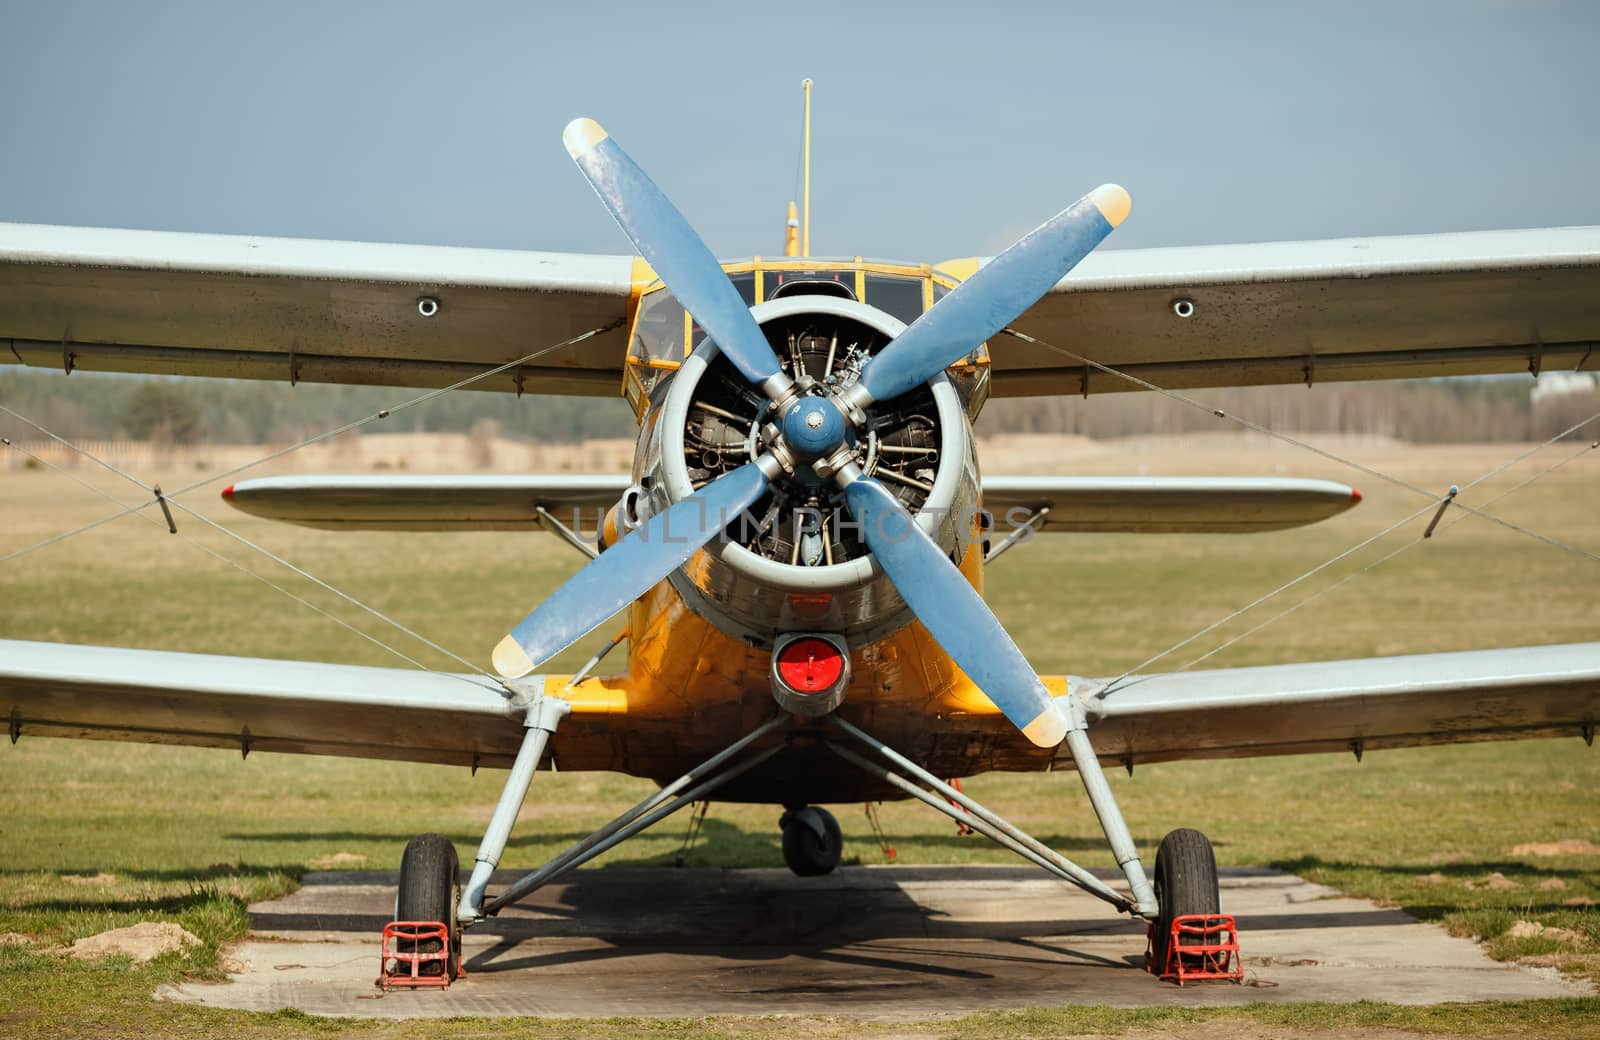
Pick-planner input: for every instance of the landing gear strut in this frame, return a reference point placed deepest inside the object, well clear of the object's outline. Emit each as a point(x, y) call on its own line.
point(812, 841)
point(1182, 903)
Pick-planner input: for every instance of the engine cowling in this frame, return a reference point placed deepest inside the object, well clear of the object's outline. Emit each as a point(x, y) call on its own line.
point(795, 560)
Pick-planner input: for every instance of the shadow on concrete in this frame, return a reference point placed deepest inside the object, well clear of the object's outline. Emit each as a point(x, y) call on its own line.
point(759, 914)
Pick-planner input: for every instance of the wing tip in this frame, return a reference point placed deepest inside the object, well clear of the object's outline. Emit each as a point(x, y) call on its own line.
point(1113, 202)
point(581, 135)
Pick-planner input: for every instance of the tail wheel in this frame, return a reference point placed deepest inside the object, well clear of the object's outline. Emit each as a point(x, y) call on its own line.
point(430, 889)
point(812, 841)
point(1185, 883)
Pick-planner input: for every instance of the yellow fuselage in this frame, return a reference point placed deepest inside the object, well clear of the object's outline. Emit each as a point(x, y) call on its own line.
point(690, 688)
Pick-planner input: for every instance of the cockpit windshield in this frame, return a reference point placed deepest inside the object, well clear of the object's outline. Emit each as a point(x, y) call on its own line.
point(663, 335)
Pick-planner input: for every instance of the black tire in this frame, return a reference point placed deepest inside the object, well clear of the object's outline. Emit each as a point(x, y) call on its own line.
point(806, 852)
point(430, 889)
point(1185, 883)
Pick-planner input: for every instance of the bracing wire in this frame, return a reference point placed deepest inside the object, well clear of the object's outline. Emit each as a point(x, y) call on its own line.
point(1287, 439)
point(382, 413)
point(1384, 559)
point(1388, 478)
point(170, 498)
point(225, 560)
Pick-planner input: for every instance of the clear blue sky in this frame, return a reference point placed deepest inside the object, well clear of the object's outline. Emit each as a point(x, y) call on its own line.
point(941, 129)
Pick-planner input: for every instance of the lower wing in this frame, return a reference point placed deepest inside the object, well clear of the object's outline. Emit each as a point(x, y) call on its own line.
point(150, 696)
point(1359, 705)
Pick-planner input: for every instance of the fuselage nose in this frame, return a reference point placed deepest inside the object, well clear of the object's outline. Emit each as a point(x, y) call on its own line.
point(813, 427)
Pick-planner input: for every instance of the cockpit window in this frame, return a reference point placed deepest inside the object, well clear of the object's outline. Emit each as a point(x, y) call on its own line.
point(820, 283)
point(658, 334)
point(901, 297)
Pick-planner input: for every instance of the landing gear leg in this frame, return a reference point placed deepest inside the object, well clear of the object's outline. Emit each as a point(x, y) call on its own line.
point(689, 788)
point(959, 806)
point(812, 841)
point(1110, 814)
point(543, 716)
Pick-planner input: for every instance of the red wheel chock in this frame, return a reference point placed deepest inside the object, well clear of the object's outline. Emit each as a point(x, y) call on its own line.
point(1202, 946)
point(397, 968)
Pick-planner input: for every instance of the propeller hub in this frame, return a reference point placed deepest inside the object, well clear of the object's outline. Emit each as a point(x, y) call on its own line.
point(813, 427)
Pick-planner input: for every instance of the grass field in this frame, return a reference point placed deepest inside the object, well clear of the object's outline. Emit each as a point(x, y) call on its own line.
point(96, 835)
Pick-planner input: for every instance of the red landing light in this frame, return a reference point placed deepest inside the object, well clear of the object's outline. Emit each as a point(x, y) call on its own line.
point(810, 665)
point(1355, 496)
point(227, 492)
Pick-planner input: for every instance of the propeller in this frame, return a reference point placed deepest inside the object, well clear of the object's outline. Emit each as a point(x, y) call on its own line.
point(952, 611)
point(671, 247)
point(628, 569)
point(813, 429)
point(993, 296)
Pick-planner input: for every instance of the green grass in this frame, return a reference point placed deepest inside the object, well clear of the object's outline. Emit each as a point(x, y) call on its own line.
point(193, 835)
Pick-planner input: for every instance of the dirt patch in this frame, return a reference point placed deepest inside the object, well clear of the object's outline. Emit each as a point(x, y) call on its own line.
point(101, 878)
point(144, 941)
point(337, 859)
point(1236, 1029)
point(1553, 884)
point(1565, 847)
point(1495, 882)
point(1572, 963)
point(15, 939)
point(1435, 878)
point(1535, 930)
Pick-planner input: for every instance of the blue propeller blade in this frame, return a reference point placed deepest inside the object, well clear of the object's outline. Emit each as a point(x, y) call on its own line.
point(628, 569)
point(672, 248)
point(953, 612)
point(995, 295)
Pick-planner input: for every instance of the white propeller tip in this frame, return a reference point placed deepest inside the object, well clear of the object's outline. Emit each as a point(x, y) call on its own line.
point(510, 660)
point(1113, 203)
point(581, 135)
point(1048, 729)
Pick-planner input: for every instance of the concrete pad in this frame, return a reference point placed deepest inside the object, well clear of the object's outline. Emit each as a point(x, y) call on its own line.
point(881, 942)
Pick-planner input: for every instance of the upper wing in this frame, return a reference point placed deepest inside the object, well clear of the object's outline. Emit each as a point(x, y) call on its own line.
point(1150, 505)
point(220, 305)
point(1379, 702)
point(1311, 312)
point(300, 310)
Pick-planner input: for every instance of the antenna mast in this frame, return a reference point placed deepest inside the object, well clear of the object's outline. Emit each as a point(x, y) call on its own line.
point(805, 162)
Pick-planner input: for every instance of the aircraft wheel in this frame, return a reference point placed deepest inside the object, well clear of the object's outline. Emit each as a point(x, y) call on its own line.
point(430, 890)
point(812, 841)
point(1185, 883)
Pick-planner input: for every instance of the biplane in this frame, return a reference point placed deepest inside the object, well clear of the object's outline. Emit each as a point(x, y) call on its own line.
point(799, 549)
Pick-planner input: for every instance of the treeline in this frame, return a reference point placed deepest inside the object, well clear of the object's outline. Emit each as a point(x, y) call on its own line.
point(96, 405)
point(1487, 408)
point(93, 405)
